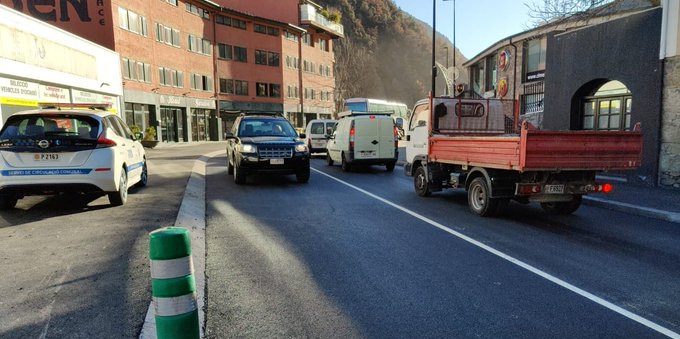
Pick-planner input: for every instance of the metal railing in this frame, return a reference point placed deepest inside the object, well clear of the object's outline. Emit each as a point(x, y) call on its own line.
point(532, 99)
point(309, 14)
point(475, 116)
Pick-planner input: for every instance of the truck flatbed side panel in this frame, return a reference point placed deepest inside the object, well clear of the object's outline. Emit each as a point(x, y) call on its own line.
point(501, 152)
point(580, 150)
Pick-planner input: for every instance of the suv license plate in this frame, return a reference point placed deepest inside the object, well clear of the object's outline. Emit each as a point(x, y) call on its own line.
point(554, 189)
point(46, 157)
point(276, 161)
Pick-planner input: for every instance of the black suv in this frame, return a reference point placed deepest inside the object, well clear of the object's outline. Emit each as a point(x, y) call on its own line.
point(266, 144)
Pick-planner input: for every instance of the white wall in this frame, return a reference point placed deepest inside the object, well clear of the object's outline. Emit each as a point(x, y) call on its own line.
point(39, 52)
point(670, 34)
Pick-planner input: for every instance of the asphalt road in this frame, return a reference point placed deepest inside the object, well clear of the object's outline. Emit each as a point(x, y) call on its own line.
point(72, 271)
point(325, 260)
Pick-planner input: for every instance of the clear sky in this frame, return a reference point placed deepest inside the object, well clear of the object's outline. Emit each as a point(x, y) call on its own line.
point(480, 23)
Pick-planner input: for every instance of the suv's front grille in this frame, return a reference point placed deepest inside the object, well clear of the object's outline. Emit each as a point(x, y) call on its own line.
point(275, 152)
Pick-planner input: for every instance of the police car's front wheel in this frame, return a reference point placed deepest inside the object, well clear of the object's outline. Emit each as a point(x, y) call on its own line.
point(8, 201)
point(119, 198)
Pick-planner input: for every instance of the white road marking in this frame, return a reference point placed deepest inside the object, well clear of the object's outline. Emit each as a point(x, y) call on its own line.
point(648, 323)
point(47, 311)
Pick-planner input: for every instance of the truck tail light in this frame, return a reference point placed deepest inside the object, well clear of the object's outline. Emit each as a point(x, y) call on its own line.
point(351, 137)
point(396, 137)
point(104, 142)
point(528, 189)
point(604, 188)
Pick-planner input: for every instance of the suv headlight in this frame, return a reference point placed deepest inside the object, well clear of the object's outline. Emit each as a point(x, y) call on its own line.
point(248, 148)
point(301, 148)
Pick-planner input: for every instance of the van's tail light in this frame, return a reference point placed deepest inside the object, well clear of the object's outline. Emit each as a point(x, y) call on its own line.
point(104, 142)
point(396, 137)
point(351, 137)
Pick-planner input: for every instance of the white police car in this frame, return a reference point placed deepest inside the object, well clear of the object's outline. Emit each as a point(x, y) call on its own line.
point(66, 149)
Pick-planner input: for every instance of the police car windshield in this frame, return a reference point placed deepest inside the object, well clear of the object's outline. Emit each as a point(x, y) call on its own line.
point(266, 128)
point(62, 126)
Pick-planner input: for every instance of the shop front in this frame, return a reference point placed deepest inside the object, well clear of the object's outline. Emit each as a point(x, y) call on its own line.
point(58, 68)
point(172, 119)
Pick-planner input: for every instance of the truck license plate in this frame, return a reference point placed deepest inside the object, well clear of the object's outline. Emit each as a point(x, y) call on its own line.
point(554, 189)
point(276, 161)
point(46, 157)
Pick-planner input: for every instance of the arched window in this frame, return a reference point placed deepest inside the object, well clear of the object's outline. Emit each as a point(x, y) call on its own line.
point(608, 109)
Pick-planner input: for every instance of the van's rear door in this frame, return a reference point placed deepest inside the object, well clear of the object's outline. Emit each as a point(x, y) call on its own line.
point(366, 137)
point(386, 134)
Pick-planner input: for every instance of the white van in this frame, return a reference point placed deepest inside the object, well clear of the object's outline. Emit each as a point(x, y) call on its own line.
point(364, 138)
point(317, 132)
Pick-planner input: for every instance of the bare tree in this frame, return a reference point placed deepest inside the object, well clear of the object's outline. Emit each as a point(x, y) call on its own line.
point(544, 11)
point(354, 71)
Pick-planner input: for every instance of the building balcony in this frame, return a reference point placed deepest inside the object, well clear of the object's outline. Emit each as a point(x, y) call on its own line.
point(310, 15)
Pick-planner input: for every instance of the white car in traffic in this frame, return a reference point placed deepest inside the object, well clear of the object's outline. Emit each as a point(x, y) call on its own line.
point(50, 151)
point(317, 132)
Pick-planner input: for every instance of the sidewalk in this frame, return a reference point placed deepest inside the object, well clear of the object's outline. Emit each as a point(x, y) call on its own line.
point(652, 202)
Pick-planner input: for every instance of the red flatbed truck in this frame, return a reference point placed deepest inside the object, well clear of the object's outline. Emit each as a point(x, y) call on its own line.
point(479, 145)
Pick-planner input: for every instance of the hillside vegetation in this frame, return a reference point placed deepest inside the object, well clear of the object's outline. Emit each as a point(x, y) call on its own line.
point(386, 52)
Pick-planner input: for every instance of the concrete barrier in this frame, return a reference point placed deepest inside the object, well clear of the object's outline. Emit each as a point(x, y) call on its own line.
point(173, 287)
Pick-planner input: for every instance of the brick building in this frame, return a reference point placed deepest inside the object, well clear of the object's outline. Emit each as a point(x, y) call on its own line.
point(190, 66)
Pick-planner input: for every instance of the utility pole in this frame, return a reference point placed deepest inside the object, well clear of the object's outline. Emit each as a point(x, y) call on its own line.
point(434, 39)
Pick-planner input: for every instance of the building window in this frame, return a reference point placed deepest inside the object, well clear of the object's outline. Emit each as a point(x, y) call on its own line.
point(491, 72)
point(199, 45)
point(232, 22)
point(260, 28)
point(131, 21)
point(193, 9)
point(534, 62)
point(167, 35)
point(137, 115)
point(241, 87)
point(273, 59)
point(170, 77)
point(531, 100)
point(293, 92)
point(477, 75)
point(274, 90)
point(227, 86)
point(136, 70)
point(172, 2)
point(323, 44)
point(223, 20)
point(240, 54)
point(225, 51)
point(260, 57)
point(262, 90)
point(292, 62)
point(201, 82)
point(273, 31)
point(608, 109)
point(307, 39)
point(291, 37)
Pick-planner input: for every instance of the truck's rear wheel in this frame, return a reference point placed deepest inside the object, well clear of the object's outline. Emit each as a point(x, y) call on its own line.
point(562, 207)
point(329, 160)
point(420, 182)
point(480, 201)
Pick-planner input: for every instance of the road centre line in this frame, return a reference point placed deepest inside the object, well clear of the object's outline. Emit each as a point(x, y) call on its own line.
point(648, 323)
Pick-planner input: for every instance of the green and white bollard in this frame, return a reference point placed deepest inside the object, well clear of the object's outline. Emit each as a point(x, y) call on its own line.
point(172, 283)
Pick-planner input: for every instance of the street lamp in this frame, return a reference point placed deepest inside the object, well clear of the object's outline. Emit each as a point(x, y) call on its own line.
point(454, 42)
point(447, 68)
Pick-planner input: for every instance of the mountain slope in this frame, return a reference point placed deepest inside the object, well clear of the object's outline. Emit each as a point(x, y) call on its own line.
point(386, 53)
